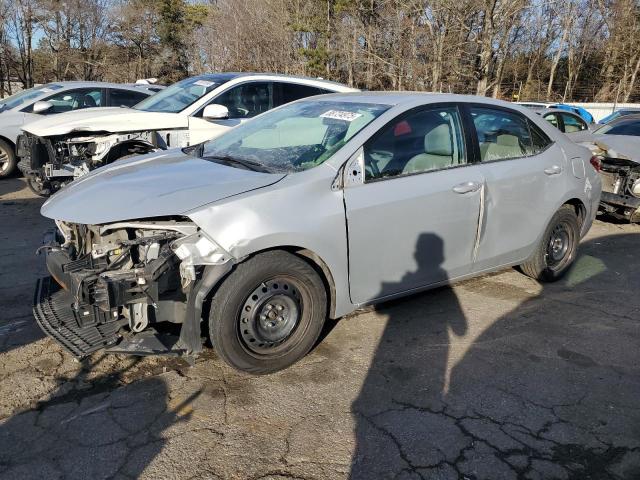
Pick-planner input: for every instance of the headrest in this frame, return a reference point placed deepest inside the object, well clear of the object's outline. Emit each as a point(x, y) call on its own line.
point(438, 141)
point(507, 140)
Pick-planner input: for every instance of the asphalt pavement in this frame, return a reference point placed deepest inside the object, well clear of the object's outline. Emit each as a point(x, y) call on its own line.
point(495, 378)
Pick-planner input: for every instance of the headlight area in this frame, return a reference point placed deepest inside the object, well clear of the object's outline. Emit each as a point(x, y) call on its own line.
point(110, 285)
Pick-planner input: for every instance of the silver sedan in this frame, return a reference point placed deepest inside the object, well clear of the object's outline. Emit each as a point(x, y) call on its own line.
point(309, 211)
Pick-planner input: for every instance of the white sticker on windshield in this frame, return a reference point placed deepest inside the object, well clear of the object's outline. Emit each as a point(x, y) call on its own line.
point(203, 83)
point(341, 115)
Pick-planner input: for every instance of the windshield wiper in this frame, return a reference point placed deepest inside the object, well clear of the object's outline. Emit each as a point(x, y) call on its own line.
point(248, 164)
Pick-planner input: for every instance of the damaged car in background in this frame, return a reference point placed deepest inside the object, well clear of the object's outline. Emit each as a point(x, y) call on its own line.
point(57, 150)
point(617, 148)
point(259, 235)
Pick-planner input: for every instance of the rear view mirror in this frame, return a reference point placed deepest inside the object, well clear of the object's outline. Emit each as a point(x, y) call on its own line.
point(215, 112)
point(41, 106)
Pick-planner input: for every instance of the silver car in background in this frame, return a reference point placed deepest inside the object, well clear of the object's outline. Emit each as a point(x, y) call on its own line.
point(309, 211)
point(52, 98)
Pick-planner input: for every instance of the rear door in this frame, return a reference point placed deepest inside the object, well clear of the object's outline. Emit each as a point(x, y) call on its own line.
point(525, 180)
point(117, 97)
point(413, 221)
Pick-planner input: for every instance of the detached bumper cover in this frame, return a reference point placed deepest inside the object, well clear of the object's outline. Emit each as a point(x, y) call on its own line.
point(76, 331)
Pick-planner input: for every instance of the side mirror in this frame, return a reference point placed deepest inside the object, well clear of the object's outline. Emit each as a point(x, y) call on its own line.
point(41, 106)
point(215, 112)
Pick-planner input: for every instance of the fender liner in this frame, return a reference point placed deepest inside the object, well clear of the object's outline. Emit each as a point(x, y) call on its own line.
point(190, 339)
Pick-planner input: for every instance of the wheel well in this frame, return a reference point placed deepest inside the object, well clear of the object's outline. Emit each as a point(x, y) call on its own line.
point(318, 265)
point(581, 210)
point(125, 148)
point(12, 144)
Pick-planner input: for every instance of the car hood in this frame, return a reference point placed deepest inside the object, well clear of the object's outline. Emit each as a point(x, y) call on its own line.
point(614, 146)
point(105, 119)
point(153, 185)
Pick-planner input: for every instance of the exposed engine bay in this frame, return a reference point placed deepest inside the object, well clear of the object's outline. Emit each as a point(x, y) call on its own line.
point(620, 188)
point(49, 163)
point(620, 176)
point(110, 282)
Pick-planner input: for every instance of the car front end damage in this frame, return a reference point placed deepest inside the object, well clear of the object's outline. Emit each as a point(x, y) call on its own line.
point(111, 285)
point(620, 188)
point(50, 162)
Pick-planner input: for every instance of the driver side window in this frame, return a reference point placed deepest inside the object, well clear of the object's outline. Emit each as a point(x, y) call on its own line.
point(75, 100)
point(422, 141)
point(247, 100)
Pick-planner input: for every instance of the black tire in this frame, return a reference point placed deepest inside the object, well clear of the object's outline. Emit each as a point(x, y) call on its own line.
point(557, 248)
point(242, 330)
point(8, 163)
point(37, 187)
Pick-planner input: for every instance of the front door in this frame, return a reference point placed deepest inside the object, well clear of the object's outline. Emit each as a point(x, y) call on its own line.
point(413, 221)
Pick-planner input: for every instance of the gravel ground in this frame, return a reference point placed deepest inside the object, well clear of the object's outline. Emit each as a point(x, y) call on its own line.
point(495, 378)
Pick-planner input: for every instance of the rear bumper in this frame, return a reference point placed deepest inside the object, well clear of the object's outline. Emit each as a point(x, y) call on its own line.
point(81, 331)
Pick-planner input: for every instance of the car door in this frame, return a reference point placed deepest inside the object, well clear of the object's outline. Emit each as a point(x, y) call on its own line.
point(117, 97)
point(412, 220)
point(75, 99)
point(525, 181)
point(573, 123)
point(286, 92)
point(244, 101)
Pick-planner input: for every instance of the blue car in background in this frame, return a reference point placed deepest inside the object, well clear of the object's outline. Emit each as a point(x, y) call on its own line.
point(584, 113)
point(619, 113)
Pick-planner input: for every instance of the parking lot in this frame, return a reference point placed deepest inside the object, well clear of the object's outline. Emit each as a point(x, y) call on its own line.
point(495, 378)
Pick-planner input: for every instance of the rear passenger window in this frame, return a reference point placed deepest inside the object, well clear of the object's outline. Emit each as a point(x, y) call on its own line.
point(125, 98)
point(290, 92)
point(419, 142)
point(501, 134)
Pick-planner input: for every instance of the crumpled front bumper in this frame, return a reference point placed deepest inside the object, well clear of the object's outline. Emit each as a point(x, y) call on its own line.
point(80, 331)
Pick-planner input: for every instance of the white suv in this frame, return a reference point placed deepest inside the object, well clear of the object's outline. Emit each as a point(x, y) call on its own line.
point(55, 151)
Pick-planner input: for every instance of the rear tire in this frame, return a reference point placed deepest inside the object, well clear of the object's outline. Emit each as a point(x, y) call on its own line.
point(268, 313)
point(8, 163)
point(557, 248)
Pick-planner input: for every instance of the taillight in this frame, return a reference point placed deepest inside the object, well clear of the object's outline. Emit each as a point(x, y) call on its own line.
point(596, 163)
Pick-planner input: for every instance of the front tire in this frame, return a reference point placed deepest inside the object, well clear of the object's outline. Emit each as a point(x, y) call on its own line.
point(268, 313)
point(8, 163)
point(557, 248)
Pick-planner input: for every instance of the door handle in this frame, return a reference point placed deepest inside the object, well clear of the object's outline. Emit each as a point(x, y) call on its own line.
point(467, 187)
point(553, 170)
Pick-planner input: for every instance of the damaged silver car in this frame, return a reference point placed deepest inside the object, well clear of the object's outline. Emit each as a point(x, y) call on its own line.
point(309, 211)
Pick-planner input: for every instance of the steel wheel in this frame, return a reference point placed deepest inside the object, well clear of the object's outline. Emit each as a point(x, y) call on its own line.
point(559, 248)
point(267, 313)
point(269, 316)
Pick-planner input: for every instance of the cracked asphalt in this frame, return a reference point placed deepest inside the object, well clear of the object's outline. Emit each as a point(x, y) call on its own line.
point(495, 378)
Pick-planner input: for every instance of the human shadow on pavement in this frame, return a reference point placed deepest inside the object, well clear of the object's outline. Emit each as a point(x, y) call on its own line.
point(97, 429)
point(548, 390)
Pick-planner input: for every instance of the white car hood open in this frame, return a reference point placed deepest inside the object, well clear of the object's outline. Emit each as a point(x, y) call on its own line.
point(152, 185)
point(105, 119)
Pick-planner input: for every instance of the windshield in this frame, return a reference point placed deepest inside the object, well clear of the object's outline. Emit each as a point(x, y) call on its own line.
point(27, 95)
point(293, 138)
point(178, 96)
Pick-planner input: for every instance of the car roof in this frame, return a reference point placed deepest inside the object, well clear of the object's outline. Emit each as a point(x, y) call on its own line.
point(632, 118)
point(392, 98)
point(86, 83)
point(223, 77)
point(544, 111)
